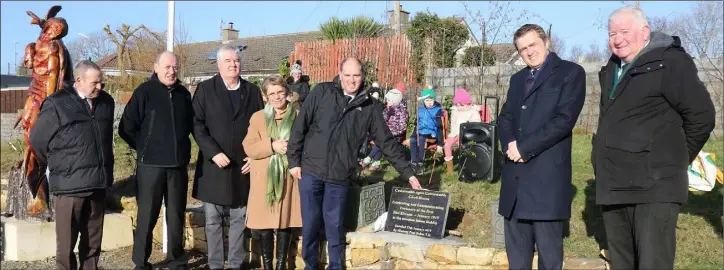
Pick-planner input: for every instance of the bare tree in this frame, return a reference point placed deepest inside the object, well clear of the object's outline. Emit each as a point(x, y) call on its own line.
point(497, 25)
point(662, 24)
point(576, 54)
point(558, 46)
point(594, 53)
point(701, 30)
point(93, 46)
point(121, 41)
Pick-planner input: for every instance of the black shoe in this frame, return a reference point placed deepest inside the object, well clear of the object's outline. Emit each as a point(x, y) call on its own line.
point(284, 239)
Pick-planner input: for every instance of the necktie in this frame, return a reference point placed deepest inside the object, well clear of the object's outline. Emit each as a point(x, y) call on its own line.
point(90, 104)
point(348, 98)
point(529, 82)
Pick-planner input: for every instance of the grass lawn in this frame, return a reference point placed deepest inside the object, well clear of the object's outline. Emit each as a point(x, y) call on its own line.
point(699, 232)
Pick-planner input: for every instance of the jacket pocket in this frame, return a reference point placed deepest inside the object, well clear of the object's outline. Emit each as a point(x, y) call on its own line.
point(669, 153)
point(627, 164)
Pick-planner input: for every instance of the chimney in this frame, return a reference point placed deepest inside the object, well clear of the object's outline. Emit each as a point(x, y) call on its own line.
point(404, 17)
point(229, 33)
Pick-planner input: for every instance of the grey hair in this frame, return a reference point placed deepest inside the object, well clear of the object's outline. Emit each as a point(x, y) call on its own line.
point(637, 13)
point(227, 48)
point(158, 57)
point(83, 66)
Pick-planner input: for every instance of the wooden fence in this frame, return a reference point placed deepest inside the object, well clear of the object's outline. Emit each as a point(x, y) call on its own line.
point(389, 54)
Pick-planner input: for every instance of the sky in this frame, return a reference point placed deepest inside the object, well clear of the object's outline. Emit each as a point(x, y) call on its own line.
point(575, 22)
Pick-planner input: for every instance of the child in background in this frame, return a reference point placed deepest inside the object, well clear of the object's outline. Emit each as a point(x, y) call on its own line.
point(428, 126)
point(462, 111)
point(395, 114)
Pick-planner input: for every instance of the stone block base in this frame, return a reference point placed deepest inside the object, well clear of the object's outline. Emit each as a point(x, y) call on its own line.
point(32, 241)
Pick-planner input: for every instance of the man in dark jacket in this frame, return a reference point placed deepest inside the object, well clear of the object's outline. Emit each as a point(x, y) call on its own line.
point(536, 124)
point(655, 116)
point(223, 106)
point(299, 83)
point(73, 136)
point(157, 123)
point(322, 152)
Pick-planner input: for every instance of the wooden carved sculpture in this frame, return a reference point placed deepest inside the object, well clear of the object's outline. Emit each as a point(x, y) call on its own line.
point(50, 62)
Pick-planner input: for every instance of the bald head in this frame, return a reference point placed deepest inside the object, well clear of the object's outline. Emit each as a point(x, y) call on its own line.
point(351, 75)
point(166, 66)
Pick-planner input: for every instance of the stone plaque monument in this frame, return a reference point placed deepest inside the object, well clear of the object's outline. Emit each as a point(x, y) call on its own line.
point(418, 212)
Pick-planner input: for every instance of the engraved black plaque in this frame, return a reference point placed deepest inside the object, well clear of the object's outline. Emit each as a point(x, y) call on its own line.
point(418, 212)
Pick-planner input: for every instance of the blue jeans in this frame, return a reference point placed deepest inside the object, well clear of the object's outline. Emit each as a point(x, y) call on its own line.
point(417, 148)
point(322, 204)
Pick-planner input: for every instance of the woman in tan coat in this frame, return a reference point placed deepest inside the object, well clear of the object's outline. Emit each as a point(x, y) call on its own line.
point(273, 194)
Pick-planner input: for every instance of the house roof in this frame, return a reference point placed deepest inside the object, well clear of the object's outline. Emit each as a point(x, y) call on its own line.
point(8, 81)
point(503, 51)
point(261, 53)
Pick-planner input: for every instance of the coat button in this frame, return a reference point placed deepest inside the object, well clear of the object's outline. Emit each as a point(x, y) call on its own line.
point(524, 107)
point(520, 129)
point(648, 68)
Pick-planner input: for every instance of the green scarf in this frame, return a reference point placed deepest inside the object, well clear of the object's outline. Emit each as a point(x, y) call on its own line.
point(277, 170)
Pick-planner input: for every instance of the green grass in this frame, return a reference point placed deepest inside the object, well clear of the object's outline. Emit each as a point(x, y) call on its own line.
point(699, 238)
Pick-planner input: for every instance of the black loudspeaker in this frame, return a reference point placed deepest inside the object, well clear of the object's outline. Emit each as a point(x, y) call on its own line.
point(478, 156)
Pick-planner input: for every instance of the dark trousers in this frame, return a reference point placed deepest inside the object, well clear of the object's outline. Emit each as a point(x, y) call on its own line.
point(322, 204)
point(641, 236)
point(154, 184)
point(417, 147)
point(522, 237)
point(84, 216)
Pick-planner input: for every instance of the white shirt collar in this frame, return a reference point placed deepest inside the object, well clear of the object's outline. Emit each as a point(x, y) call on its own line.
point(238, 84)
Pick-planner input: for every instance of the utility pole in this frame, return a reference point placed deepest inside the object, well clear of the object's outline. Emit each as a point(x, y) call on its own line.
point(483, 42)
point(398, 28)
point(169, 46)
point(15, 48)
point(169, 33)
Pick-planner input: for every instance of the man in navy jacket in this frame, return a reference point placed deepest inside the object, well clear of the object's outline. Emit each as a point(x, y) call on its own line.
point(536, 123)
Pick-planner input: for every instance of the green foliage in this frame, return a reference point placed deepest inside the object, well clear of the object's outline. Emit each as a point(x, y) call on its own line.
point(370, 71)
point(256, 80)
point(358, 27)
point(442, 36)
point(472, 56)
point(284, 68)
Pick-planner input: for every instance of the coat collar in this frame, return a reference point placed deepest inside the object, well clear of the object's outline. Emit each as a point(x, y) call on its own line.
point(546, 71)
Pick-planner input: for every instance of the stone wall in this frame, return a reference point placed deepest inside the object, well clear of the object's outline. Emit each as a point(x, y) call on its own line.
point(7, 132)
point(445, 80)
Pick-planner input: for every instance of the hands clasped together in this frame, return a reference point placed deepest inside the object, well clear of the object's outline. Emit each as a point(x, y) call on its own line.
point(513, 153)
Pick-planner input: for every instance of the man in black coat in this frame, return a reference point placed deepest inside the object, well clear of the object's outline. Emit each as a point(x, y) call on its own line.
point(73, 137)
point(157, 123)
point(655, 117)
point(222, 106)
point(322, 152)
point(536, 124)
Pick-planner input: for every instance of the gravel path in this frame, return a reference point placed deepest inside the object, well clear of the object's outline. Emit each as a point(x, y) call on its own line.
point(114, 259)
